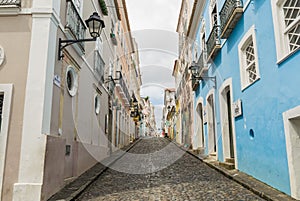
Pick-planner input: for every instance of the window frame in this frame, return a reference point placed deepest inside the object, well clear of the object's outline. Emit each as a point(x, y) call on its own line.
point(74, 87)
point(280, 30)
point(245, 83)
point(97, 103)
point(213, 5)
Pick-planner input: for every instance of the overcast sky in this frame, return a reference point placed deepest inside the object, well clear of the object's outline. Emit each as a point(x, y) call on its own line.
point(153, 23)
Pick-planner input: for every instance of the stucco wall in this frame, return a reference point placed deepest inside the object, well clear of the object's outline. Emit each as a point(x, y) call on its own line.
point(14, 30)
point(264, 156)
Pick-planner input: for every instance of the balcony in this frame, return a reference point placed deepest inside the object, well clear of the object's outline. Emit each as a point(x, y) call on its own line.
point(99, 66)
point(75, 26)
point(229, 15)
point(8, 7)
point(213, 43)
point(123, 90)
point(10, 3)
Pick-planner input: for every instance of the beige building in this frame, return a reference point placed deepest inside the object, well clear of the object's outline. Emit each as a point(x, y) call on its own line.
point(182, 76)
point(57, 113)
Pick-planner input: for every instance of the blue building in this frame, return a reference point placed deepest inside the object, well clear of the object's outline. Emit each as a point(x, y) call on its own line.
point(246, 87)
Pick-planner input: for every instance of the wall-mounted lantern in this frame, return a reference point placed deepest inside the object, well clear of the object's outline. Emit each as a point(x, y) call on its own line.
point(95, 26)
point(195, 69)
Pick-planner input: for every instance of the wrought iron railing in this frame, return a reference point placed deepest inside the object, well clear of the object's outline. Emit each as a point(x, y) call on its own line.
point(74, 23)
point(122, 83)
point(213, 41)
point(10, 3)
point(226, 13)
point(99, 66)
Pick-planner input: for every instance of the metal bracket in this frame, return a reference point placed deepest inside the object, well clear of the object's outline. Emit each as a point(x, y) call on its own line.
point(69, 42)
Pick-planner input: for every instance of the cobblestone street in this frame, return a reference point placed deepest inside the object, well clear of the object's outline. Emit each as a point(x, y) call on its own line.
point(185, 179)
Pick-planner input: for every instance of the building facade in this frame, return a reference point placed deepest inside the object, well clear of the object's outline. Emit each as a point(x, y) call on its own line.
point(182, 75)
point(58, 113)
point(246, 101)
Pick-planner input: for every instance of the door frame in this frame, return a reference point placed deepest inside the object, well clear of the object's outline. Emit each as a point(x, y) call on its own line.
point(196, 115)
point(7, 90)
point(292, 138)
point(212, 94)
point(224, 116)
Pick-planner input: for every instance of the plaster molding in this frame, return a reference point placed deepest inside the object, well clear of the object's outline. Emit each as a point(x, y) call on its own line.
point(224, 85)
point(292, 148)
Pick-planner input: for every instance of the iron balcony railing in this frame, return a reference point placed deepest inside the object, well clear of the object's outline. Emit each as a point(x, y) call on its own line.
point(213, 43)
point(124, 90)
point(75, 24)
point(99, 66)
point(10, 3)
point(230, 13)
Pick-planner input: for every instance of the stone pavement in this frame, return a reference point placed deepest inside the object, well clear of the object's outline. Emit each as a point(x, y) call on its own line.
point(185, 179)
point(150, 172)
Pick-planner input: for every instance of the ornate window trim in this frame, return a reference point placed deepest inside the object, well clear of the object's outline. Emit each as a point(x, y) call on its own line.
point(248, 57)
point(282, 30)
point(71, 80)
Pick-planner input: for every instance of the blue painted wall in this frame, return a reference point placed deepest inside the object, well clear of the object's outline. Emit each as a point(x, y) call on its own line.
point(263, 156)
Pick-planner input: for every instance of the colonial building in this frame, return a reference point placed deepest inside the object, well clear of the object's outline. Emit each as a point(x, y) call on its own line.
point(182, 75)
point(58, 101)
point(245, 83)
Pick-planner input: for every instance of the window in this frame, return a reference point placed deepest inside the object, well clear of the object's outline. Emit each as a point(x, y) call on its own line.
point(202, 36)
point(213, 13)
point(99, 66)
point(286, 18)
point(71, 80)
point(97, 103)
point(291, 9)
point(248, 59)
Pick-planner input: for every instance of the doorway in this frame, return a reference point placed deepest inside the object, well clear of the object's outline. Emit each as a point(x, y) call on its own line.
point(199, 126)
point(211, 123)
point(227, 123)
point(291, 120)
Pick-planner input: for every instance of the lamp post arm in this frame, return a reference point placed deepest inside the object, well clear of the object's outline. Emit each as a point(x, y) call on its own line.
point(70, 42)
point(214, 79)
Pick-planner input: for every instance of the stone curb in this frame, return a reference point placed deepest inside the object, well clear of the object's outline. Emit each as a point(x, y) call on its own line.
point(259, 188)
point(91, 179)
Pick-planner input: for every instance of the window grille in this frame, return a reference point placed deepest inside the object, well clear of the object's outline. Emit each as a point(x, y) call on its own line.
point(291, 9)
point(250, 62)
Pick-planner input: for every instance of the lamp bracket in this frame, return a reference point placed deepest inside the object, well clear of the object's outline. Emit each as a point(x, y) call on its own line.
point(69, 42)
point(213, 78)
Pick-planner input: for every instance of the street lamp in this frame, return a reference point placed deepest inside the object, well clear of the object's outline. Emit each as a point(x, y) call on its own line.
point(195, 69)
point(95, 26)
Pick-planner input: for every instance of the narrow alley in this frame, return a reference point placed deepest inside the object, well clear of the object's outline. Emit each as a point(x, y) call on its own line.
point(186, 179)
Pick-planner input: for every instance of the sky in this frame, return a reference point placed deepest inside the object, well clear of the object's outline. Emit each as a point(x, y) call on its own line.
point(153, 24)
